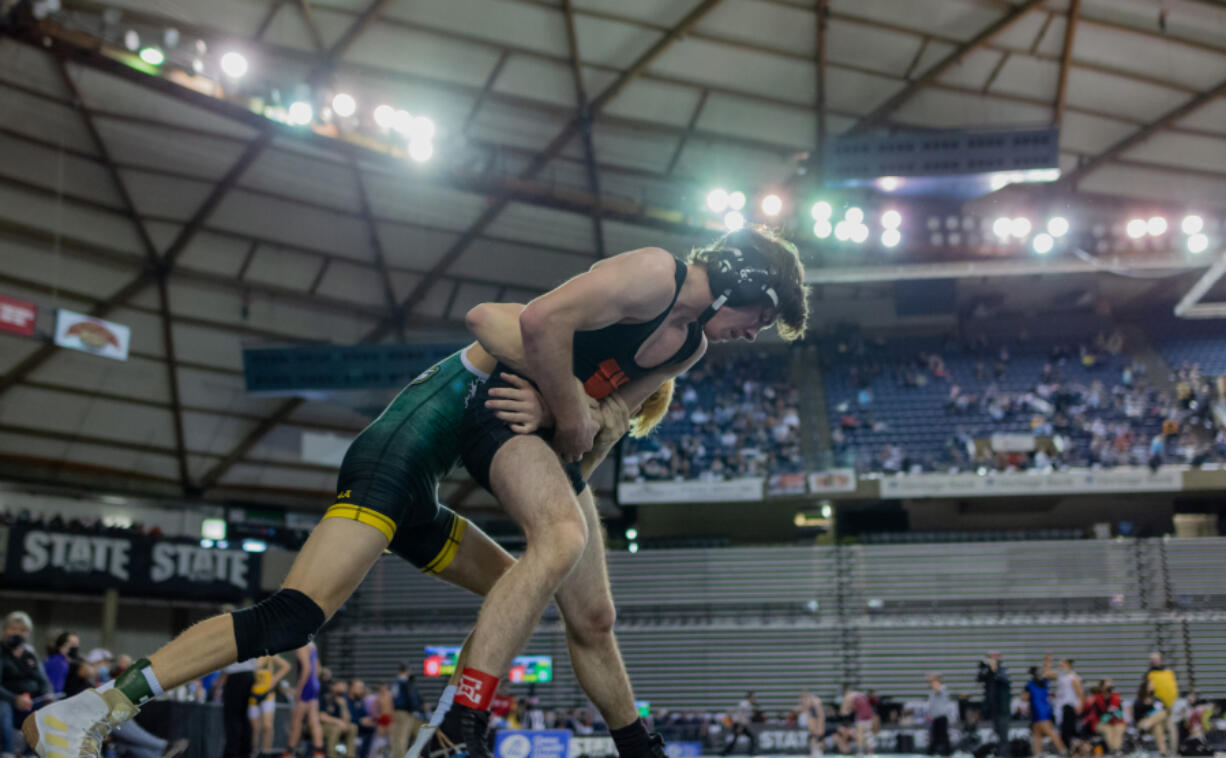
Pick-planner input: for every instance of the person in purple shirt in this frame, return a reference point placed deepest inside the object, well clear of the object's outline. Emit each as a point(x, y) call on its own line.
point(60, 659)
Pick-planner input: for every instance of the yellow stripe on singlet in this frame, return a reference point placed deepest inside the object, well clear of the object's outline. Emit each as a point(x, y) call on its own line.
point(445, 556)
point(365, 516)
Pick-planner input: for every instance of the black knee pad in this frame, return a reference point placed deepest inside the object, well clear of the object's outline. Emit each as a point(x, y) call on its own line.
point(285, 621)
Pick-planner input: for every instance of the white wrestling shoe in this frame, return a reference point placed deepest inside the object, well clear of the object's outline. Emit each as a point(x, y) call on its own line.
point(77, 726)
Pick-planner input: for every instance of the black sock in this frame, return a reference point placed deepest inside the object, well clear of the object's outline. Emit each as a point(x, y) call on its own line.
point(631, 740)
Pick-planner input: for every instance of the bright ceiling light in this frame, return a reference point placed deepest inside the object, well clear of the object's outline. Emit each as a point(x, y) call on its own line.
point(854, 215)
point(821, 210)
point(717, 200)
point(1192, 224)
point(859, 233)
point(891, 219)
point(736, 200)
point(344, 105)
point(891, 237)
point(301, 113)
point(1001, 227)
point(421, 128)
point(152, 56)
point(889, 183)
point(734, 220)
point(234, 65)
point(1020, 227)
point(131, 40)
point(1057, 226)
point(1156, 226)
point(772, 204)
point(842, 231)
point(1043, 243)
point(822, 228)
point(1198, 243)
point(421, 150)
point(385, 116)
point(402, 122)
point(633, 547)
point(1137, 228)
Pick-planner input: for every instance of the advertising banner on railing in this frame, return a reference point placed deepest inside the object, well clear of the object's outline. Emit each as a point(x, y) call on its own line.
point(832, 481)
point(133, 564)
point(694, 491)
point(1073, 482)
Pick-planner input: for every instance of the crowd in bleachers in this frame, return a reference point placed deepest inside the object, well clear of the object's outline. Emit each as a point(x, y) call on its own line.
point(1062, 403)
point(96, 525)
point(734, 415)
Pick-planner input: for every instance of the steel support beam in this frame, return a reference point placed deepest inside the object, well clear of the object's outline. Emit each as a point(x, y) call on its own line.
point(347, 38)
point(152, 261)
point(1066, 57)
point(886, 109)
point(586, 118)
point(689, 131)
point(1145, 132)
point(819, 156)
point(486, 88)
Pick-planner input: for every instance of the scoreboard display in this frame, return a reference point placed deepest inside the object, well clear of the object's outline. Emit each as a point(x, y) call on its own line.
point(441, 660)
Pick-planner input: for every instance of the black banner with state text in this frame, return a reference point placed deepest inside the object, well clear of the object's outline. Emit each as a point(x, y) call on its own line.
point(133, 564)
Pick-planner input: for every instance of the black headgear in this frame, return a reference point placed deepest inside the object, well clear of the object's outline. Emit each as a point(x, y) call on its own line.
point(739, 278)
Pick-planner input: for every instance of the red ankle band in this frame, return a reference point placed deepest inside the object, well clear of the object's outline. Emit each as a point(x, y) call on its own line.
point(476, 689)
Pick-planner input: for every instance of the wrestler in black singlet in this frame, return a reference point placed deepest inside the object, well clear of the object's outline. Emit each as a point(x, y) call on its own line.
point(603, 360)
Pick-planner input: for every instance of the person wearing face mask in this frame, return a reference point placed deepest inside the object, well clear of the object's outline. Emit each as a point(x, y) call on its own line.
point(62, 655)
point(22, 680)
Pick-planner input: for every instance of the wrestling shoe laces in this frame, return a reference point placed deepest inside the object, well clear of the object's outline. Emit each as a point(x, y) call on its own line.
point(463, 733)
point(77, 726)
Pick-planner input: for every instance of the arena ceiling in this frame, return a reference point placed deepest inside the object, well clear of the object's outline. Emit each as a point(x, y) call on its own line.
point(567, 130)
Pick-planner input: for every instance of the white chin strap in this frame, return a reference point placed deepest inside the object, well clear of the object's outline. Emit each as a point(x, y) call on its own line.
point(709, 313)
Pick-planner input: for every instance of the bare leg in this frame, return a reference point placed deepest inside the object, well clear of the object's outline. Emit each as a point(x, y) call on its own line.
point(530, 483)
point(317, 731)
point(586, 603)
point(256, 734)
point(295, 723)
point(1054, 736)
point(478, 564)
point(330, 566)
point(269, 723)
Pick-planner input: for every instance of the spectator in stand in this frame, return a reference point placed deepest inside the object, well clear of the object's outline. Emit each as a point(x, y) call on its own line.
point(1162, 683)
point(60, 658)
point(739, 723)
point(858, 705)
point(360, 716)
point(1105, 716)
point(812, 716)
point(23, 683)
point(334, 718)
point(996, 696)
point(503, 704)
point(942, 712)
point(1068, 701)
point(1041, 722)
point(1150, 717)
point(408, 716)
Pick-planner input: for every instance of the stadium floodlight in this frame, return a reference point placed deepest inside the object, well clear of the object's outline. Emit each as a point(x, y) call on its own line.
point(633, 547)
point(822, 228)
point(827, 511)
point(206, 543)
point(1156, 226)
point(1192, 224)
point(1043, 243)
point(153, 56)
point(854, 215)
point(821, 210)
point(736, 200)
point(1001, 227)
point(891, 219)
point(1020, 227)
point(421, 129)
point(131, 40)
point(859, 234)
point(421, 150)
point(734, 220)
point(1198, 243)
point(632, 534)
point(344, 105)
point(234, 65)
point(1137, 228)
point(842, 230)
point(891, 237)
point(717, 200)
point(197, 65)
point(1057, 226)
point(889, 183)
point(300, 113)
point(254, 546)
point(402, 122)
point(772, 204)
point(385, 116)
